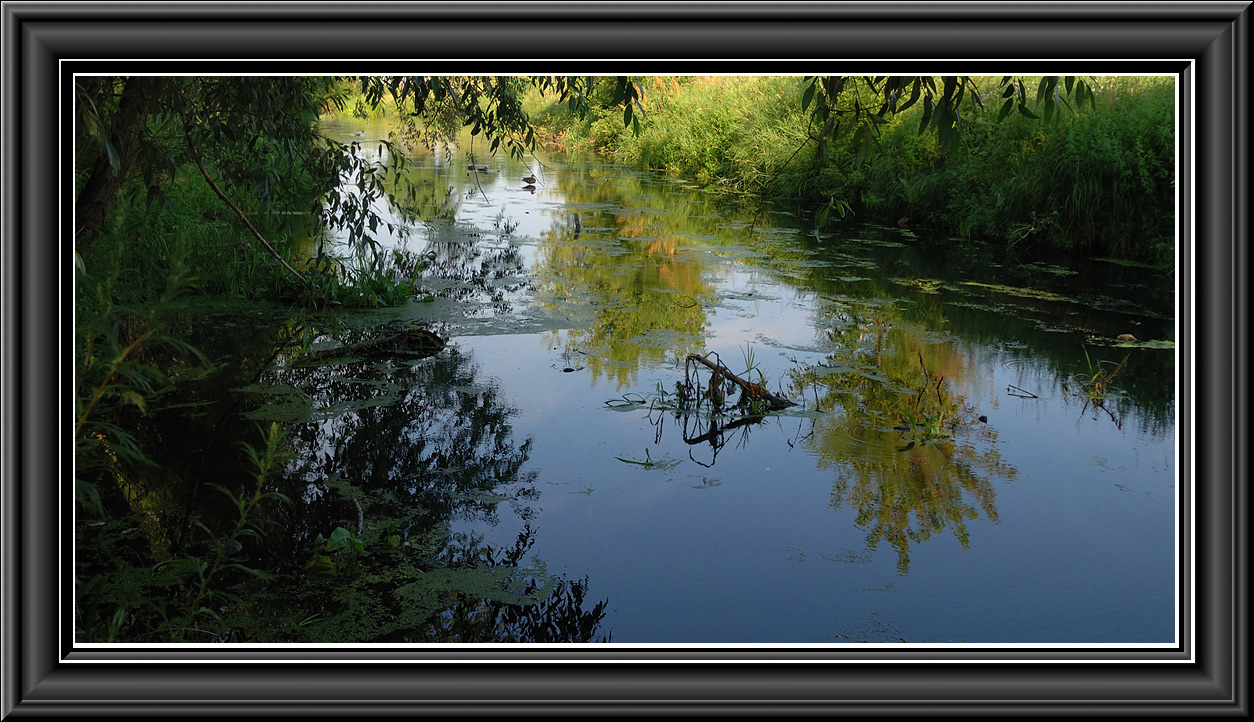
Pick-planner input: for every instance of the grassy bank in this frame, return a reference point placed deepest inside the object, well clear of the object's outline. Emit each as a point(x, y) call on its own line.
point(1097, 181)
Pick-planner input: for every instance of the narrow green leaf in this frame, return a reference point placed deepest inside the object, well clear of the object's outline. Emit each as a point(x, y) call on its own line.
point(258, 573)
point(132, 397)
point(114, 160)
point(1084, 93)
point(864, 144)
point(914, 96)
point(941, 116)
point(808, 96)
point(1046, 88)
point(927, 117)
point(975, 94)
point(1006, 108)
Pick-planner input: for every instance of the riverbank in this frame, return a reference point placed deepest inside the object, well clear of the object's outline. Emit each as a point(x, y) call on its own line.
point(1095, 182)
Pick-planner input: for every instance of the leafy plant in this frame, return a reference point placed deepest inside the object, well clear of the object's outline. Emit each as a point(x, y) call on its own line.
point(249, 524)
point(116, 371)
point(751, 366)
point(840, 205)
point(342, 544)
point(1095, 382)
point(1083, 164)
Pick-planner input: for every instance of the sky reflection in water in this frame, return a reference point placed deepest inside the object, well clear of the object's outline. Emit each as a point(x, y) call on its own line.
point(1053, 521)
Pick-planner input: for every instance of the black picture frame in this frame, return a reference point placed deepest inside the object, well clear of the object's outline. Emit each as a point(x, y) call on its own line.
point(43, 675)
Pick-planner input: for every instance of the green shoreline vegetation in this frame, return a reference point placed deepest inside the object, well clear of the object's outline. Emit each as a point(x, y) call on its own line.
point(1095, 179)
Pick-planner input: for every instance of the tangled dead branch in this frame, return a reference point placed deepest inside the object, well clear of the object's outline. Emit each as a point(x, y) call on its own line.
point(719, 372)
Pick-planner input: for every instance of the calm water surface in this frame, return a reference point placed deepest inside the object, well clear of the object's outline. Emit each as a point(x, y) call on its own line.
point(836, 520)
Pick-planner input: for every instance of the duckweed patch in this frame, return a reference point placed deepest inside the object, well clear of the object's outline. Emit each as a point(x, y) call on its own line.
point(925, 285)
point(1021, 292)
point(1159, 344)
point(850, 556)
point(1050, 268)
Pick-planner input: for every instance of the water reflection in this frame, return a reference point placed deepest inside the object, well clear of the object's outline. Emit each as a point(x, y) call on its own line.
point(636, 267)
point(901, 353)
point(460, 267)
point(559, 617)
point(394, 450)
point(909, 453)
point(889, 478)
point(631, 268)
point(1035, 315)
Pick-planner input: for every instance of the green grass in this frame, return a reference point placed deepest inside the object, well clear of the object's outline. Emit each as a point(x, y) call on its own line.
point(1097, 181)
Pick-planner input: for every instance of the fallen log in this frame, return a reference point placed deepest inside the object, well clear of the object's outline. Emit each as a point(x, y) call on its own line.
point(749, 390)
point(414, 340)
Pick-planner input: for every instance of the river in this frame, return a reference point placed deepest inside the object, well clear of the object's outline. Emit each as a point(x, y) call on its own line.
point(941, 477)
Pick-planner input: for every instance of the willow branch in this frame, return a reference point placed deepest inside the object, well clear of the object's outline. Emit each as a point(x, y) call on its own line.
point(261, 239)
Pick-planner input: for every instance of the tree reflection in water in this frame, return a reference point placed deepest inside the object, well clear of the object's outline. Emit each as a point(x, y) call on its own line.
point(394, 450)
point(467, 271)
point(911, 456)
point(632, 269)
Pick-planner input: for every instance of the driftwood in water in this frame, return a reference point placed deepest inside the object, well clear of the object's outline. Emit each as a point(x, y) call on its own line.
point(413, 340)
point(749, 390)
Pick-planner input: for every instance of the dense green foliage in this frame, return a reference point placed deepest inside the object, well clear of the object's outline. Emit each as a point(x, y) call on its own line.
point(1094, 174)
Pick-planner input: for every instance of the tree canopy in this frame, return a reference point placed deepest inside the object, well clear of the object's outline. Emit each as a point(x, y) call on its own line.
point(259, 136)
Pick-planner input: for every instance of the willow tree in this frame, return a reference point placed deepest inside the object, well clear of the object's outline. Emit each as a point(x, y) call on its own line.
point(859, 105)
point(259, 136)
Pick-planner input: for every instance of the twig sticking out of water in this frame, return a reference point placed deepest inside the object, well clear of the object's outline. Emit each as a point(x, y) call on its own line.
point(1023, 393)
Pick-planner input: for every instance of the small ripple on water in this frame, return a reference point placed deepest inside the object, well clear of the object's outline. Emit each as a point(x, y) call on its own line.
point(851, 439)
point(1080, 535)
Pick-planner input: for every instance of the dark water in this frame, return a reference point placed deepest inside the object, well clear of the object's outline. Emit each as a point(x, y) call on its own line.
point(941, 478)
